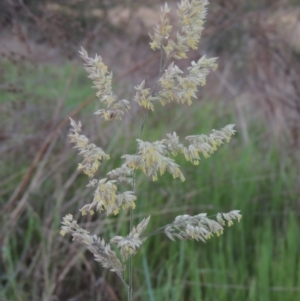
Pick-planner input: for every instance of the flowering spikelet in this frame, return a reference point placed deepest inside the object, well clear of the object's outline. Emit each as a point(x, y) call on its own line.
point(222, 218)
point(191, 15)
point(182, 89)
point(123, 175)
point(143, 97)
point(106, 197)
point(173, 145)
point(102, 80)
point(199, 227)
point(162, 29)
point(207, 144)
point(102, 251)
point(92, 154)
point(151, 160)
point(131, 243)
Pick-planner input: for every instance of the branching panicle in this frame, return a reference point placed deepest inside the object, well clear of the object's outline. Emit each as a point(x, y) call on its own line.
point(206, 145)
point(102, 251)
point(92, 155)
point(192, 14)
point(180, 88)
point(152, 158)
point(108, 198)
point(102, 80)
point(200, 227)
point(131, 243)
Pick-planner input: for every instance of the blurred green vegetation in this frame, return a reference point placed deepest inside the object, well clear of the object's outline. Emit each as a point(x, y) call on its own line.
point(256, 259)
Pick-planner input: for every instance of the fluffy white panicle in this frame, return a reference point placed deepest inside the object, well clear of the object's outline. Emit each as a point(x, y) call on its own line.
point(131, 243)
point(200, 227)
point(92, 155)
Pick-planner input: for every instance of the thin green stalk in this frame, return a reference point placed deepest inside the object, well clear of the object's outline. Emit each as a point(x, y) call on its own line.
point(131, 214)
point(142, 125)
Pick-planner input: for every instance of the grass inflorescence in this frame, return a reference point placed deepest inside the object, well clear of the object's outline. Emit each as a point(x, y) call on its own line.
point(258, 260)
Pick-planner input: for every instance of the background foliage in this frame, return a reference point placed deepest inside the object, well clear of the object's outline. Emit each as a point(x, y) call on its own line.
point(43, 83)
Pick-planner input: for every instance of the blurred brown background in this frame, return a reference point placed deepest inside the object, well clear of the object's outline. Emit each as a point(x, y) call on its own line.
point(257, 86)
